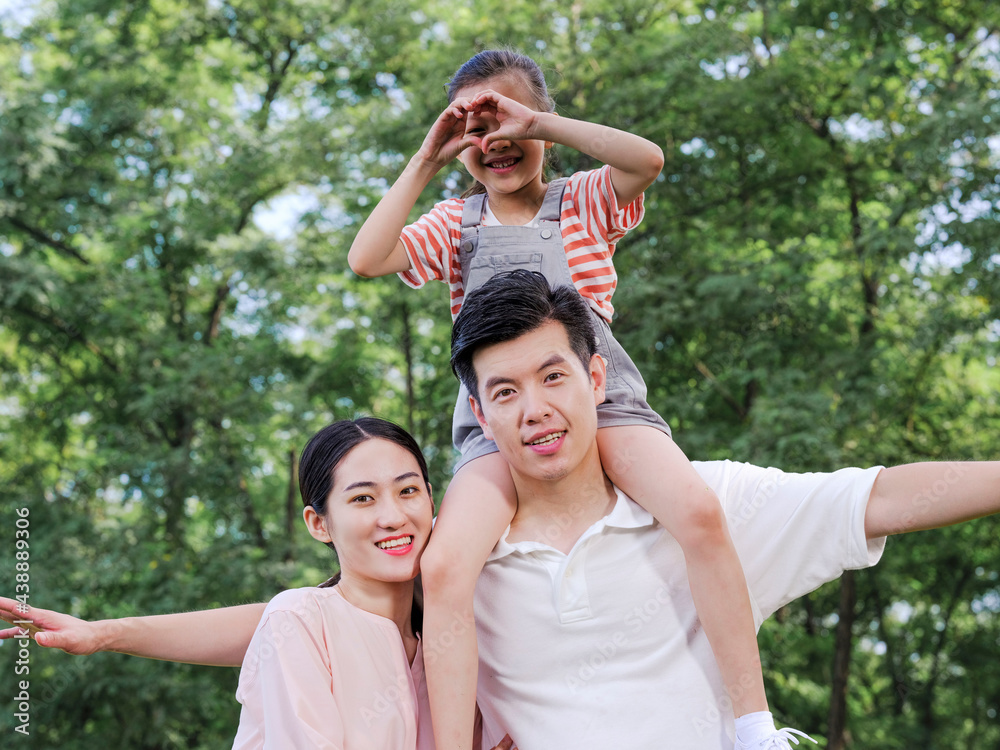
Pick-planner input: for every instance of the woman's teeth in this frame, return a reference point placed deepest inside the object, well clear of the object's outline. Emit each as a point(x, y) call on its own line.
point(401, 542)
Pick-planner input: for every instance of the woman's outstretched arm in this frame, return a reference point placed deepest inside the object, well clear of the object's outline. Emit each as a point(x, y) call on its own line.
point(216, 637)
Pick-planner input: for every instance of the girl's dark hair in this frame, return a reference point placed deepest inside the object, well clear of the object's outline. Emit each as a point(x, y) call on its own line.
point(492, 63)
point(323, 454)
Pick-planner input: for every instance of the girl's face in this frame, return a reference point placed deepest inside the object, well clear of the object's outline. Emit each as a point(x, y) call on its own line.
point(378, 513)
point(509, 167)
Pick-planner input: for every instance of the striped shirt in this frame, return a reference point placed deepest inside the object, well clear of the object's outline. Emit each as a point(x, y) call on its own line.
point(590, 221)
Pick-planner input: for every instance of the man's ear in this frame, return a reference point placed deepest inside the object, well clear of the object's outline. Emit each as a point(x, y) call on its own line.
point(480, 418)
point(599, 377)
point(316, 525)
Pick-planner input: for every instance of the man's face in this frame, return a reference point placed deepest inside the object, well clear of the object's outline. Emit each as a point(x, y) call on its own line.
point(538, 402)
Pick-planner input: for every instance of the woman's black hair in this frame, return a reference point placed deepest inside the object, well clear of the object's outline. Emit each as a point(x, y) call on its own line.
point(492, 63)
point(323, 454)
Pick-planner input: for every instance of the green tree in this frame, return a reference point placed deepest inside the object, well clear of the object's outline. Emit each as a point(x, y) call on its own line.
point(814, 285)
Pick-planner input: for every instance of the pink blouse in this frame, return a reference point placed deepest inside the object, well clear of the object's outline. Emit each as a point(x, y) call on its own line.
point(321, 673)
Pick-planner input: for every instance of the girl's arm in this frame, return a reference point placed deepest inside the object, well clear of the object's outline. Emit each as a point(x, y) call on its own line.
point(377, 249)
point(635, 162)
point(216, 637)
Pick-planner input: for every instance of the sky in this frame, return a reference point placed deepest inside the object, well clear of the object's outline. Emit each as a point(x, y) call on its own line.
point(18, 10)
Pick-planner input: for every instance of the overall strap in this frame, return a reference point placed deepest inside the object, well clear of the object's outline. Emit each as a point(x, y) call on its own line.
point(552, 204)
point(474, 207)
point(472, 210)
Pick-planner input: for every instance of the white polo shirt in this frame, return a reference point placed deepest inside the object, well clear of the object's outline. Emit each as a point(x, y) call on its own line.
point(602, 647)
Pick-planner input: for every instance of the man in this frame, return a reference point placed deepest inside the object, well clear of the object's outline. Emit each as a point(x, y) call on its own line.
point(588, 636)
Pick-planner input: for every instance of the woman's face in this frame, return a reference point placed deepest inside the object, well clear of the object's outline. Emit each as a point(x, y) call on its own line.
point(378, 513)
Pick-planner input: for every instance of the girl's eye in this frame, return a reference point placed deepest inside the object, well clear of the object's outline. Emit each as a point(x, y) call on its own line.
point(361, 499)
point(409, 491)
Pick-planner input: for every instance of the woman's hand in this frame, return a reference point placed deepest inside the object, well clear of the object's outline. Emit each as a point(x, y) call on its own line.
point(50, 629)
point(494, 117)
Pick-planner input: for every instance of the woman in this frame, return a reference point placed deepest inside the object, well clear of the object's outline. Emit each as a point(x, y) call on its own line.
point(335, 666)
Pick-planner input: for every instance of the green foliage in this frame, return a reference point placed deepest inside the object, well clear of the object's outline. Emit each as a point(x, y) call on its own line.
point(814, 284)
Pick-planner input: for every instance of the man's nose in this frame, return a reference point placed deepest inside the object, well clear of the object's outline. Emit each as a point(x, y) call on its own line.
point(536, 406)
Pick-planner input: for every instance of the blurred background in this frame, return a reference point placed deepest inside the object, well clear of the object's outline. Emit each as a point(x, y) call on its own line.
point(815, 285)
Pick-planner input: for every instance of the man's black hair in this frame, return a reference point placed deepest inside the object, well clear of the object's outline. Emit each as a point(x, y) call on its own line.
point(510, 305)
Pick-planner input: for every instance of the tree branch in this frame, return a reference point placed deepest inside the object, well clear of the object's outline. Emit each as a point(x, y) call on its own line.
point(215, 317)
point(248, 208)
point(274, 84)
point(728, 397)
point(43, 239)
point(70, 332)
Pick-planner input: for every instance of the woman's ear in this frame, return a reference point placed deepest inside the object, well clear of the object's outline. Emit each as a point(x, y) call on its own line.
point(316, 525)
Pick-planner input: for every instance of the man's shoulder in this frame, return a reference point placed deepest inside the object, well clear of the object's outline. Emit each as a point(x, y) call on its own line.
point(725, 476)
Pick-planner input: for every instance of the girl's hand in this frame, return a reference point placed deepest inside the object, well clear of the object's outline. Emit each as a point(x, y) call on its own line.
point(51, 629)
point(447, 138)
point(493, 117)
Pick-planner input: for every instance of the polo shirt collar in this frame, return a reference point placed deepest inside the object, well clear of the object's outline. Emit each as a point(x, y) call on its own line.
point(626, 514)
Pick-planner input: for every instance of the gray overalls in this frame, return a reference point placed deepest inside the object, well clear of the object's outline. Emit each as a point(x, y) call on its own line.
point(486, 251)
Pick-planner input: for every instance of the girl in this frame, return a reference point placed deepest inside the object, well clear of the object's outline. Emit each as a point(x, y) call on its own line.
point(499, 122)
point(337, 666)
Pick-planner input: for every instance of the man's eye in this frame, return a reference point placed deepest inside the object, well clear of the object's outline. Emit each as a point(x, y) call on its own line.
point(553, 376)
point(504, 392)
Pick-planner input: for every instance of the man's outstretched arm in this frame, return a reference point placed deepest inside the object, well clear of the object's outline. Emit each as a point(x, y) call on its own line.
point(913, 497)
point(217, 637)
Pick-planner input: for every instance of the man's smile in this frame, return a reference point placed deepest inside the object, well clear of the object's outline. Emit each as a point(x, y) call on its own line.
point(548, 438)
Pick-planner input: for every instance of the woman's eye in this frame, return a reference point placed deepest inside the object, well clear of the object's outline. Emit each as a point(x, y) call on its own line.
point(361, 499)
point(409, 491)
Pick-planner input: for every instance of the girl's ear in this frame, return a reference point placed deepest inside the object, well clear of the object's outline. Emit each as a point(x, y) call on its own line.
point(316, 525)
point(550, 144)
